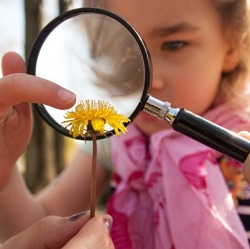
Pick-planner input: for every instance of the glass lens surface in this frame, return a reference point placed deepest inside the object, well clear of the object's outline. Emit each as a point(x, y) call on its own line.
point(96, 57)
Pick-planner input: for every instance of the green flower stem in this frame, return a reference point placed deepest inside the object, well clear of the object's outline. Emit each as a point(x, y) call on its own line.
point(93, 178)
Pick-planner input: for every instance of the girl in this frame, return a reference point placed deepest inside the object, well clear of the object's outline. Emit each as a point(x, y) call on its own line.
point(170, 190)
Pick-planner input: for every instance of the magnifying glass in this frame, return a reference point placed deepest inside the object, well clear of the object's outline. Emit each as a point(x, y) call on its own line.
point(98, 55)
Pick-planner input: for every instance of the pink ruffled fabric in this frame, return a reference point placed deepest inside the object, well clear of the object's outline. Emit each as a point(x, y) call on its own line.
point(172, 194)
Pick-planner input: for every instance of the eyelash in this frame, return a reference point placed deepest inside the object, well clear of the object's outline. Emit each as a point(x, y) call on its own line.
point(173, 45)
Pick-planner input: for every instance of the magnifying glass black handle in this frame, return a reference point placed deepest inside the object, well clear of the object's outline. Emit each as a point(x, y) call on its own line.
point(212, 135)
point(200, 129)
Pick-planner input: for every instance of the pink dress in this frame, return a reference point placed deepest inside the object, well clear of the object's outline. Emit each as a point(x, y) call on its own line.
point(171, 193)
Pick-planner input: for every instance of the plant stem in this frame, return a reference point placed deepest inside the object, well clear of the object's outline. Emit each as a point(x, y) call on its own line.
point(93, 178)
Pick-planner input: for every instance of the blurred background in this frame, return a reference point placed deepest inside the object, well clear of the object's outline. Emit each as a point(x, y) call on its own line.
point(20, 22)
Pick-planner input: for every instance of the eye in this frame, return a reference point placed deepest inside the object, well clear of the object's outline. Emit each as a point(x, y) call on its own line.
point(173, 45)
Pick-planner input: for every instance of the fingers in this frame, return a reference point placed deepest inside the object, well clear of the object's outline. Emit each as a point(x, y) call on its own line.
point(12, 63)
point(94, 234)
point(64, 230)
point(245, 134)
point(17, 87)
point(49, 233)
point(246, 168)
point(54, 232)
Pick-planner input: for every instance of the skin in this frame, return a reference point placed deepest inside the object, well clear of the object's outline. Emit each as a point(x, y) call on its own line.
point(189, 53)
point(55, 232)
point(17, 90)
point(246, 168)
point(15, 130)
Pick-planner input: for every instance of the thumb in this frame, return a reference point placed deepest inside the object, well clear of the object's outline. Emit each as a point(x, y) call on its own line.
point(246, 168)
point(12, 63)
point(93, 235)
point(50, 232)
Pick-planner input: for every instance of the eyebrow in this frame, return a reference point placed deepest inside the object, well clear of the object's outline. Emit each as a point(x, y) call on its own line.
point(183, 26)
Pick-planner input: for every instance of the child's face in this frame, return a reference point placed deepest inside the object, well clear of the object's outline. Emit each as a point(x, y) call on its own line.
point(187, 48)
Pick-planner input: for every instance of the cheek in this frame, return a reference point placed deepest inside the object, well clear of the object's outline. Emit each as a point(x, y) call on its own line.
point(200, 96)
point(193, 88)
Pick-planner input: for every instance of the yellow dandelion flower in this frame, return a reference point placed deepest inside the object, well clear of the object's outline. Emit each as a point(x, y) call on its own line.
point(91, 116)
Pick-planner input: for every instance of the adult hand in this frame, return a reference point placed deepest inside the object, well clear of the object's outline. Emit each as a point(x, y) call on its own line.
point(246, 168)
point(17, 91)
point(77, 232)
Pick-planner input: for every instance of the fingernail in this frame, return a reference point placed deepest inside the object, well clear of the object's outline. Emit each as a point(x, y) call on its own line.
point(108, 221)
point(66, 96)
point(77, 216)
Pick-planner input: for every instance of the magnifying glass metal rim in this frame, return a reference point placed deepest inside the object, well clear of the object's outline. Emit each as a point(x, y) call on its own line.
point(41, 38)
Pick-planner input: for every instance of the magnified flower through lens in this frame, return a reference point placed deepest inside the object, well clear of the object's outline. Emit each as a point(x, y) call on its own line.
point(90, 117)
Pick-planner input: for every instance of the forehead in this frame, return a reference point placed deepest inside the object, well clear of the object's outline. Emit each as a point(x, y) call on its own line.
point(147, 15)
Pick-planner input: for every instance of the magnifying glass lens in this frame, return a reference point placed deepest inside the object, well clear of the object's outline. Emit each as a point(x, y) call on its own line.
point(96, 55)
